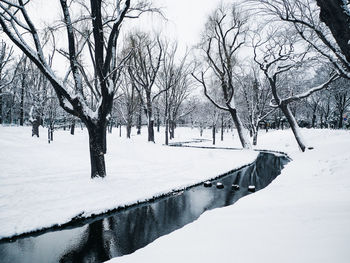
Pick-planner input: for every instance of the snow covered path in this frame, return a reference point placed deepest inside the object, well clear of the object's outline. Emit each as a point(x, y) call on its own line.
point(43, 184)
point(303, 216)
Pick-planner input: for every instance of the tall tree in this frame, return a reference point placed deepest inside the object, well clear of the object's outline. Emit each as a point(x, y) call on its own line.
point(145, 62)
point(225, 34)
point(105, 19)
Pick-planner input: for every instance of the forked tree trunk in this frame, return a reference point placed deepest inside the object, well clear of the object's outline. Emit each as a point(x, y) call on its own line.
point(294, 126)
point(97, 143)
point(240, 129)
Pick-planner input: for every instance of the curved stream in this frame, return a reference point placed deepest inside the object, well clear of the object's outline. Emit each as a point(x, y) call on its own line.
point(101, 238)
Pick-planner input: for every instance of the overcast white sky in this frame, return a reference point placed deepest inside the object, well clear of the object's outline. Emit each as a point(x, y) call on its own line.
point(185, 18)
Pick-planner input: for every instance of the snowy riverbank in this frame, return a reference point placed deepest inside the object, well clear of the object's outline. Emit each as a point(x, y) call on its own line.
point(303, 216)
point(43, 184)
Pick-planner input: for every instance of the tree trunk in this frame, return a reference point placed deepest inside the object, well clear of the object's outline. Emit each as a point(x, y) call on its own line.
point(150, 129)
point(21, 114)
point(128, 130)
point(334, 15)
point(255, 136)
point(35, 127)
point(313, 121)
point(294, 126)
point(139, 121)
point(172, 129)
point(239, 126)
point(72, 127)
point(158, 120)
point(166, 132)
point(97, 143)
point(340, 122)
point(1, 112)
point(222, 127)
point(214, 133)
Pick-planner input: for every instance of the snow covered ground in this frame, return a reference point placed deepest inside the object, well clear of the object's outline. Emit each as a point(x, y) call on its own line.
point(303, 216)
point(43, 184)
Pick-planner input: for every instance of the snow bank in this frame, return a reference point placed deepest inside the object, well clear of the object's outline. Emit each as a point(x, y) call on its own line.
point(43, 184)
point(303, 216)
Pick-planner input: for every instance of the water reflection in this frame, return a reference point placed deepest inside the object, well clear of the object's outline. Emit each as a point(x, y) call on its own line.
point(126, 231)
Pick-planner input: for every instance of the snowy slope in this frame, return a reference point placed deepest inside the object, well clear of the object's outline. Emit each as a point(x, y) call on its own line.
point(43, 184)
point(303, 216)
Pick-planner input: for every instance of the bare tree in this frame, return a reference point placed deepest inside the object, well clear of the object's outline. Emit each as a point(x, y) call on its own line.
point(145, 62)
point(5, 80)
point(256, 95)
point(224, 35)
point(277, 57)
point(329, 39)
point(105, 19)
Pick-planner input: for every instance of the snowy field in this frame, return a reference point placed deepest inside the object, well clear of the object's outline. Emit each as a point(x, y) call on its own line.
point(43, 184)
point(303, 216)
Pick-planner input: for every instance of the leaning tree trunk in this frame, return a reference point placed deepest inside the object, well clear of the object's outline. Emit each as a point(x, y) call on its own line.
point(294, 126)
point(240, 129)
point(97, 143)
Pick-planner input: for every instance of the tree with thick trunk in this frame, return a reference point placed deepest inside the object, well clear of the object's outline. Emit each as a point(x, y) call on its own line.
point(224, 35)
point(100, 38)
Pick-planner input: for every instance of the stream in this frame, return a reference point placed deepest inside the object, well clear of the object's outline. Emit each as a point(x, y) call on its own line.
point(123, 232)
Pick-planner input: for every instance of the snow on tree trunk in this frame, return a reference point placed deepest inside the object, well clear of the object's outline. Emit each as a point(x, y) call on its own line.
point(255, 136)
point(240, 130)
point(294, 126)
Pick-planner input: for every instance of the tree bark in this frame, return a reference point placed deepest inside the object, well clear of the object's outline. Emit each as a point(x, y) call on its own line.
point(97, 144)
point(72, 127)
point(294, 126)
point(334, 15)
point(21, 114)
point(35, 127)
point(240, 130)
point(255, 136)
point(166, 132)
point(150, 129)
point(128, 130)
point(222, 127)
point(214, 133)
point(1, 111)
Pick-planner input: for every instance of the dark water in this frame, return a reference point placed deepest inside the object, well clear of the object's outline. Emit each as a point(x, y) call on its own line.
point(123, 232)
